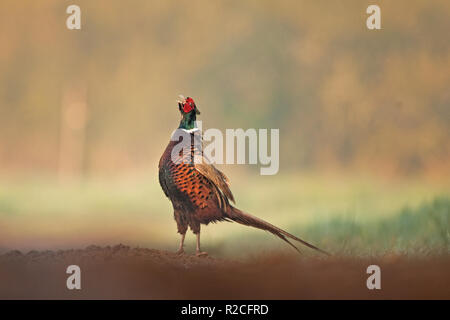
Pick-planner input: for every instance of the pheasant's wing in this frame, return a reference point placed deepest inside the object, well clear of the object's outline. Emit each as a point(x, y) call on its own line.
point(216, 177)
point(211, 173)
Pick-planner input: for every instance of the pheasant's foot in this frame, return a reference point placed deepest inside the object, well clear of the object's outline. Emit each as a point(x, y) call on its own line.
point(180, 251)
point(201, 254)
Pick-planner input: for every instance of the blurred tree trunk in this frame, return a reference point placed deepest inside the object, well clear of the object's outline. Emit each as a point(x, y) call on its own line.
point(72, 131)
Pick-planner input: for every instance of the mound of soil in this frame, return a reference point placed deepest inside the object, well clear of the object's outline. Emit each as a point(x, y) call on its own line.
point(117, 253)
point(121, 272)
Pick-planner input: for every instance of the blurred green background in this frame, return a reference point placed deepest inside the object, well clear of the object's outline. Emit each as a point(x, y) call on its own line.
point(363, 116)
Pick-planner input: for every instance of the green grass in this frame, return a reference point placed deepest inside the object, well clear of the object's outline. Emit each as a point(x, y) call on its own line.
point(424, 229)
point(349, 216)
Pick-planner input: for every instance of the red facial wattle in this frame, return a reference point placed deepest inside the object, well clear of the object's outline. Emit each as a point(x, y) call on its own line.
point(187, 108)
point(188, 105)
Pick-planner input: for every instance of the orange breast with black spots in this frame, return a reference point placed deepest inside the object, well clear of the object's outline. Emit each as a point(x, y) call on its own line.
point(193, 185)
point(190, 188)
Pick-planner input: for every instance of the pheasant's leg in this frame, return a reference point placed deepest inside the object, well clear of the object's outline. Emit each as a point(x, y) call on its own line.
point(182, 226)
point(200, 253)
point(181, 250)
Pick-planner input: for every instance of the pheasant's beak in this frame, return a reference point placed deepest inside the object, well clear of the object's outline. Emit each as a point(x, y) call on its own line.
point(181, 99)
point(196, 110)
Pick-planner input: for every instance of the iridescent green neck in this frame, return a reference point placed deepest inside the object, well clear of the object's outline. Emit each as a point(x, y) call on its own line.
point(188, 121)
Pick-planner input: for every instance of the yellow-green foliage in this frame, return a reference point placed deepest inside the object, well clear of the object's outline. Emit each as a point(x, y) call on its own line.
point(341, 95)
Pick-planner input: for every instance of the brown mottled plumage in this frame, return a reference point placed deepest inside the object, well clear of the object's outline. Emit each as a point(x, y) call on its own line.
point(199, 192)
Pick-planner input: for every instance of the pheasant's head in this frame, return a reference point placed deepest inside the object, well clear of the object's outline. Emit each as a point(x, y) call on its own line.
point(188, 111)
point(187, 105)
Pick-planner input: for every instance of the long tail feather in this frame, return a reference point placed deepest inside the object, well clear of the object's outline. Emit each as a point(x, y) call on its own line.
point(249, 220)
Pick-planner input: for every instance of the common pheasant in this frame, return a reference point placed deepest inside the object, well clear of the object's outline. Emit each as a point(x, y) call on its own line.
point(199, 192)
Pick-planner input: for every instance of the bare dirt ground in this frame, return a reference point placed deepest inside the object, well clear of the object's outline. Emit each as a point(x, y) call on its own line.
point(121, 272)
